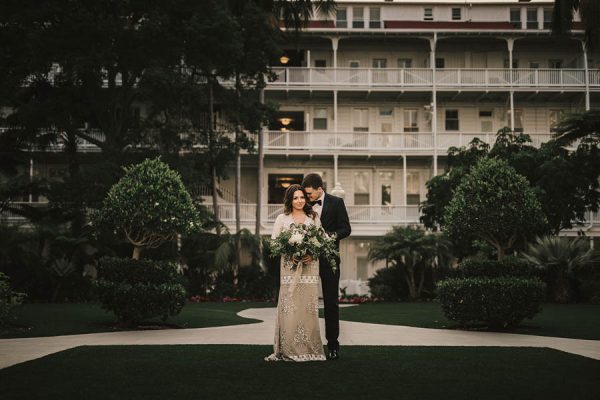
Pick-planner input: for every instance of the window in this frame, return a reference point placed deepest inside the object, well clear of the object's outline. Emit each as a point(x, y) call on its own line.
point(487, 124)
point(362, 268)
point(518, 119)
point(532, 18)
point(440, 63)
point(451, 120)
point(358, 17)
point(379, 63)
point(320, 119)
point(404, 63)
point(554, 118)
point(362, 188)
point(320, 63)
point(555, 64)
point(341, 18)
point(360, 120)
point(386, 111)
point(411, 123)
point(428, 14)
point(515, 17)
point(413, 196)
point(374, 17)
point(456, 14)
point(534, 64)
point(548, 18)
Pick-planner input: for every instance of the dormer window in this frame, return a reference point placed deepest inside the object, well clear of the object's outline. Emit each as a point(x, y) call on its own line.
point(341, 18)
point(375, 17)
point(428, 14)
point(515, 17)
point(532, 18)
point(358, 17)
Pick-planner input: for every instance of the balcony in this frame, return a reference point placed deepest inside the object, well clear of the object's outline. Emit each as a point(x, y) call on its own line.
point(422, 78)
point(278, 142)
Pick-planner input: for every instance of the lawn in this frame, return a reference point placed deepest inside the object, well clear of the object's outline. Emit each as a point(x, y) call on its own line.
point(580, 321)
point(67, 319)
point(238, 372)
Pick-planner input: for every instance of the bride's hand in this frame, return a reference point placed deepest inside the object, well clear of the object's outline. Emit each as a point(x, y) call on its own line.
point(307, 259)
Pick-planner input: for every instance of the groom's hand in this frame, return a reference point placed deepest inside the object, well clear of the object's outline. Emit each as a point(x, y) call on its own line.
point(307, 259)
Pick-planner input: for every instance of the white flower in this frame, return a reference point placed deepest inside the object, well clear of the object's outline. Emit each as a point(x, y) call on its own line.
point(296, 238)
point(315, 241)
point(156, 203)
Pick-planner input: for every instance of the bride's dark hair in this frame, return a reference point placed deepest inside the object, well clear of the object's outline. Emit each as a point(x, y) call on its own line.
point(289, 197)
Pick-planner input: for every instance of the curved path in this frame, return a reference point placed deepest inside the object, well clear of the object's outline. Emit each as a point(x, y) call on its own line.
point(14, 351)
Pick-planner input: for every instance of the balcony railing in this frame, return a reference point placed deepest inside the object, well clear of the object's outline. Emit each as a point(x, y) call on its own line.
point(304, 141)
point(446, 77)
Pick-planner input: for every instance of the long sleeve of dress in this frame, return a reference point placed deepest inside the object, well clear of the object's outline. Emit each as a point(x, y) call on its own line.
point(277, 226)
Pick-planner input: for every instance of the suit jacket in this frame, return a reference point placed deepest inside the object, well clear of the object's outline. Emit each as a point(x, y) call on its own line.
point(334, 218)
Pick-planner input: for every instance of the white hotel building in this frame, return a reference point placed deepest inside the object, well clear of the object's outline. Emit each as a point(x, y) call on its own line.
point(373, 97)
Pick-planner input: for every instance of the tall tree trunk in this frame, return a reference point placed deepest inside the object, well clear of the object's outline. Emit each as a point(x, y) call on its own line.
point(211, 151)
point(78, 219)
point(238, 188)
point(260, 173)
point(137, 252)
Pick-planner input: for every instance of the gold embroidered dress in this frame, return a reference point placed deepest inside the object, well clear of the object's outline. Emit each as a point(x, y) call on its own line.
point(297, 335)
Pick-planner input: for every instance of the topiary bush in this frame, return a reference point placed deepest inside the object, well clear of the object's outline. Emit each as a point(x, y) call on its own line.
point(497, 294)
point(495, 302)
point(509, 266)
point(137, 290)
point(8, 298)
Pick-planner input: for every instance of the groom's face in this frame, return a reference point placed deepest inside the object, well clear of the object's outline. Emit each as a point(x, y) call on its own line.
point(313, 194)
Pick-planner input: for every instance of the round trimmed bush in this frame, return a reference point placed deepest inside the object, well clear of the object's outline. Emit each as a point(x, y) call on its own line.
point(137, 290)
point(509, 266)
point(388, 284)
point(501, 302)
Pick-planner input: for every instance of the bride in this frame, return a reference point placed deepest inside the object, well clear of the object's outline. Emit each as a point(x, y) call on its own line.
point(297, 336)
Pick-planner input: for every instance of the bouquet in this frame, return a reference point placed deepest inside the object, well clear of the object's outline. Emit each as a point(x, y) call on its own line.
point(301, 240)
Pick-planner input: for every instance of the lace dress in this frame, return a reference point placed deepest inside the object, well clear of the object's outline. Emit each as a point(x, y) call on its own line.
point(297, 335)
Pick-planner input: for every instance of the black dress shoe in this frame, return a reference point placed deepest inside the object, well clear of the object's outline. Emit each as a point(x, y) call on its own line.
point(334, 354)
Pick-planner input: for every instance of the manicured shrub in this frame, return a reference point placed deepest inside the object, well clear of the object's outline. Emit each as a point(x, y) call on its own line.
point(501, 302)
point(388, 284)
point(136, 290)
point(8, 298)
point(509, 266)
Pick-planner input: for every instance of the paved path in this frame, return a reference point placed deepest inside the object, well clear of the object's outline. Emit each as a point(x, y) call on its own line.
point(14, 351)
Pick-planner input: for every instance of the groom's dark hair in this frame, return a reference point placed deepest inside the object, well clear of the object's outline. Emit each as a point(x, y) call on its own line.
point(312, 180)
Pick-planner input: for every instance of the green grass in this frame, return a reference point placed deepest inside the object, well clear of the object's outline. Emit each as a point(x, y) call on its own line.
point(34, 320)
point(238, 372)
point(580, 321)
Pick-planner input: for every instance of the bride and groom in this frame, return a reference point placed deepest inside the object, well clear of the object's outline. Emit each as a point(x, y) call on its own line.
point(297, 334)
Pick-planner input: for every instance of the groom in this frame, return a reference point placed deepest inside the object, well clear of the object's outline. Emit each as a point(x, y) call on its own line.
point(334, 218)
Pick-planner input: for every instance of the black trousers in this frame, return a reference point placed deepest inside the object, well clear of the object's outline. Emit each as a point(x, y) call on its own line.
point(330, 283)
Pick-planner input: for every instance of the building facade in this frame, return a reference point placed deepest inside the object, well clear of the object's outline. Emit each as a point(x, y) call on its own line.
point(374, 96)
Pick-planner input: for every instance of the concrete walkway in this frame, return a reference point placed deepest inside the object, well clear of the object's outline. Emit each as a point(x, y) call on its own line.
point(14, 351)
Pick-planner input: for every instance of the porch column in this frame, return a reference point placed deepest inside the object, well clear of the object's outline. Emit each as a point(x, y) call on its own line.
point(337, 188)
point(432, 44)
point(511, 44)
point(405, 203)
point(587, 75)
point(335, 111)
point(334, 46)
point(261, 156)
point(308, 58)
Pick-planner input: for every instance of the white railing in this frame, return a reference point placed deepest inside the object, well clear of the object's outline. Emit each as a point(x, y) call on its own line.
point(378, 142)
point(446, 77)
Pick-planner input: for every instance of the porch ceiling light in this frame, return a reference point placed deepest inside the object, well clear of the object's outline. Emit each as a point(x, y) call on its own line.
point(284, 59)
point(285, 121)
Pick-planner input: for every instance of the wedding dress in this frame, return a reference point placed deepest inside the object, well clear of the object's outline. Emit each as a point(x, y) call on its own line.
point(297, 335)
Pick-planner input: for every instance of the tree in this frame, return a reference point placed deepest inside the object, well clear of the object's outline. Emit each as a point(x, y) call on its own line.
point(495, 204)
point(149, 206)
point(579, 126)
point(413, 251)
point(565, 182)
point(560, 257)
point(589, 11)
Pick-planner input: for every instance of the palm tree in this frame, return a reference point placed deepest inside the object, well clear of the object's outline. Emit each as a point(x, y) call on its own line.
point(577, 127)
point(589, 10)
point(412, 250)
point(560, 257)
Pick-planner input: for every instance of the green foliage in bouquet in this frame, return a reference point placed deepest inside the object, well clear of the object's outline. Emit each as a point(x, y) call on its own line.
point(149, 206)
point(301, 240)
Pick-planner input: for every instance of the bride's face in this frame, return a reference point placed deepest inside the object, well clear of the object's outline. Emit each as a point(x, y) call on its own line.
point(298, 200)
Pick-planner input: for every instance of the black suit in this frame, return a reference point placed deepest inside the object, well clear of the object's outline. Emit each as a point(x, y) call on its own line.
point(334, 219)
